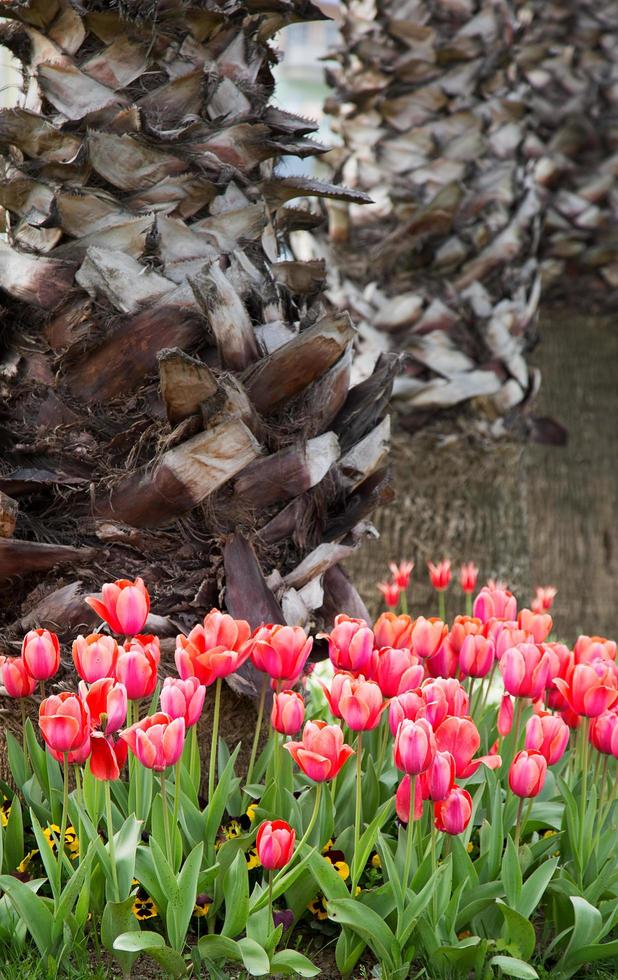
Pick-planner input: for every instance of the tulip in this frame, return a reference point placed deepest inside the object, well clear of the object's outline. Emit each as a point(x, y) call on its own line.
point(549, 735)
point(604, 733)
point(361, 704)
point(527, 773)
point(468, 576)
point(460, 737)
point(17, 679)
point(40, 652)
point(95, 656)
point(435, 706)
point(124, 605)
point(137, 665)
point(444, 662)
point(526, 670)
point(350, 644)
point(539, 625)
point(75, 758)
point(106, 701)
point(288, 712)
point(492, 603)
point(322, 752)
point(107, 757)
point(183, 699)
point(333, 694)
point(157, 741)
point(404, 706)
point(401, 573)
point(402, 800)
point(396, 671)
point(415, 746)
point(477, 656)
point(440, 574)
point(64, 720)
point(457, 699)
point(589, 648)
point(439, 779)
point(393, 631)
point(391, 592)
point(214, 650)
point(462, 627)
point(590, 689)
point(544, 598)
point(453, 814)
point(427, 636)
point(505, 715)
point(281, 651)
point(505, 634)
point(275, 844)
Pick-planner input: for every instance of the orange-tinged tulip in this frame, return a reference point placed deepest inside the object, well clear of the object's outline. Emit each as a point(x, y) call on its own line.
point(590, 689)
point(427, 636)
point(281, 651)
point(95, 656)
point(393, 631)
point(322, 752)
point(361, 704)
point(539, 625)
point(214, 650)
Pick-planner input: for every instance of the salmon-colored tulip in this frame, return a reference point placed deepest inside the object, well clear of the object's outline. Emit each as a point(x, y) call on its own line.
point(527, 773)
point(124, 605)
point(64, 720)
point(526, 670)
point(183, 699)
point(288, 712)
point(544, 598)
point(275, 844)
point(401, 573)
point(107, 704)
point(462, 627)
point(590, 689)
point(361, 704)
point(505, 715)
point(137, 665)
point(402, 800)
point(589, 648)
point(322, 752)
point(157, 741)
point(427, 636)
point(281, 651)
point(491, 603)
point(539, 625)
point(461, 738)
point(415, 746)
point(549, 735)
point(439, 778)
point(391, 592)
point(396, 671)
point(468, 576)
point(17, 679)
point(216, 649)
point(404, 706)
point(95, 656)
point(333, 692)
point(393, 631)
point(453, 814)
point(350, 644)
point(40, 652)
point(440, 575)
point(476, 657)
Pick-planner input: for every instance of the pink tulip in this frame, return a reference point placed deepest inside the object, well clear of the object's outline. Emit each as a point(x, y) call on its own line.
point(427, 636)
point(468, 576)
point(604, 733)
point(391, 592)
point(361, 704)
point(275, 844)
point(415, 746)
point(549, 735)
point(504, 635)
point(445, 661)
point(462, 627)
point(396, 671)
point(322, 752)
point(505, 715)
point(402, 800)
point(137, 666)
point(40, 652)
point(439, 779)
point(124, 605)
point(435, 706)
point(107, 704)
point(457, 699)
point(440, 574)
point(589, 648)
point(544, 598)
point(476, 657)
point(526, 670)
point(288, 712)
point(527, 773)
point(333, 693)
point(406, 705)
point(393, 631)
point(460, 737)
point(183, 699)
point(350, 644)
point(401, 573)
point(590, 689)
point(95, 656)
point(492, 603)
point(214, 650)
point(64, 720)
point(281, 651)
point(17, 679)
point(453, 814)
point(157, 741)
point(539, 625)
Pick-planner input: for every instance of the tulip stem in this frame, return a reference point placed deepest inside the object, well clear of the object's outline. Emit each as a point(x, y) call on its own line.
point(80, 800)
point(24, 740)
point(518, 822)
point(193, 752)
point(584, 791)
point(110, 839)
point(442, 605)
point(258, 729)
point(383, 741)
point(212, 771)
point(310, 826)
point(409, 833)
point(404, 602)
point(177, 783)
point(42, 689)
point(433, 872)
point(358, 808)
point(65, 812)
point(270, 897)
point(519, 708)
point(468, 603)
point(166, 820)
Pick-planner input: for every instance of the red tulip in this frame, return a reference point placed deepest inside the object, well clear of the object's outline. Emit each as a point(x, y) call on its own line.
point(396, 671)
point(604, 733)
point(462, 627)
point(505, 715)
point(350, 644)
point(415, 746)
point(526, 670)
point(106, 701)
point(460, 737)
point(361, 704)
point(137, 666)
point(95, 656)
point(402, 800)
point(17, 679)
point(322, 752)
point(549, 735)
point(157, 741)
point(275, 844)
point(468, 576)
point(40, 652)
point(539, 625)
point(393, 631)
point(590, 689)
point(124, 605)
point(288, 712)
point(183, 699)
point(476, 657)
point(527, 773)
point(544, 598)
point(453, 814)
point(107, 757)
point(404, 706)
point(64, 720)
point(214, 650)
point(427, 636)
point(391, 592)
point(440, 574)
point(401, 573)
point(492, 603)
point(281, 651)
point(439, 779)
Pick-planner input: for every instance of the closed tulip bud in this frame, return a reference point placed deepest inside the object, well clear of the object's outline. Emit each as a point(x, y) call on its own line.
point(539, 625)
point(95, 656)
point(453, 814)
point(17, 679)
point(350, 644)
point(216, 649)
point(590, 689)
point(494, 603)
point(461, 738)
point(544, 598)
point(468, 576)
point(393, 631)
point(505, 715)
point(457, 699)
point(527, 773)
point(288, 712)
point(604, 733)
point(526, 670)
point(275, 844)
point(106, 701)
point(401, 573)
point(361, 704)
point(504, 635)
point(281, 651)
point(391, 592)
point(396, 671)
point(402, 800)
point(322, 752)
point(462, 627)
point(183, 699)
point(549, 735)
point(476, 657)
point(136, 667)
point(435, 705)
point(40, 651)
point(439, 779)
point(334, 692)
point(124, 605)
point(427, 636)
point(444, 662)
point(415, 746)
point(590, 648)
point(157, 741)
point(64, 721)
point(440, 574)
point(406, 705)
